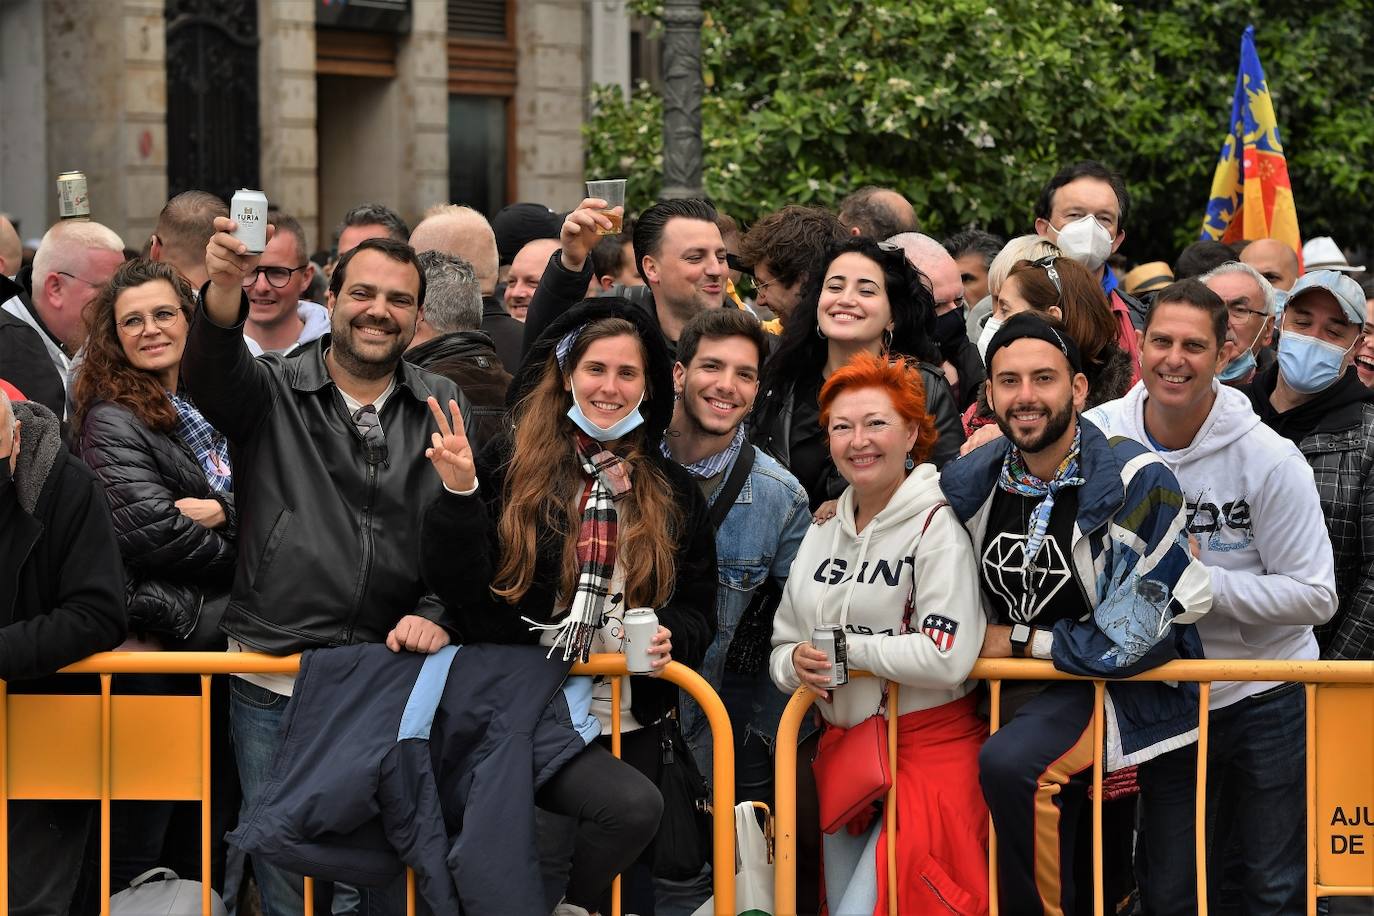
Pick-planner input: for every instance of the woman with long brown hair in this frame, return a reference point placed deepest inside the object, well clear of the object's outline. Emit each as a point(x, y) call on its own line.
point(560, 527)
point(167, 478)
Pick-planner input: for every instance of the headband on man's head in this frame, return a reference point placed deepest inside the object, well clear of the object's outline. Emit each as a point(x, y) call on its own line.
point(1031, 325)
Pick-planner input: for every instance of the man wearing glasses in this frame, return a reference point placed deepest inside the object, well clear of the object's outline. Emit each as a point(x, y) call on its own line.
point(74, 260)
point(1250, 304)
point(279, 321)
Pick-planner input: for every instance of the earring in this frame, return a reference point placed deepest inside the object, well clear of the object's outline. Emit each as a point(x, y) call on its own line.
point(819, 332)
point(887, 344)
point(910, 463)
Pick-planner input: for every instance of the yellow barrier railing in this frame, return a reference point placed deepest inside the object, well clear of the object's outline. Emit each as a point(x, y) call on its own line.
point(95, 747)
point(1356, 703)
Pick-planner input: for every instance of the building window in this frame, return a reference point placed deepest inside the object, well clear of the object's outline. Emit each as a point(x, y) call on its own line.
point(481, 85)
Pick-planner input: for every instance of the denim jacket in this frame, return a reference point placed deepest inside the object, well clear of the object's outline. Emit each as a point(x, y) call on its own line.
point(757, 540)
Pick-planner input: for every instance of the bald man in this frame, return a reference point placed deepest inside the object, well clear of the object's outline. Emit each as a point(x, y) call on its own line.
point(465, 233)
point(878, 213)
point(1275, 260)
point(11, 249)
point(962, 365)
point(526, 270)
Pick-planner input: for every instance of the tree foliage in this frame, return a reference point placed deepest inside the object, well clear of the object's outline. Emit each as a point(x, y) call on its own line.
point(969, 106)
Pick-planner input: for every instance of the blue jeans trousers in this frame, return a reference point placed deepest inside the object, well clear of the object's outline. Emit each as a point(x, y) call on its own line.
point(1256, 810)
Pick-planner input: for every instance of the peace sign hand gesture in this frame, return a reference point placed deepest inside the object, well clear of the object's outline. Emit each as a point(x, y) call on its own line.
point(450, 453)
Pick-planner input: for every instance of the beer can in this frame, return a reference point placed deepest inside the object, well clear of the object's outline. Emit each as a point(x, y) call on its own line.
point(73, 200)
point(829, 638)
point(641, 624)
point(249, 211)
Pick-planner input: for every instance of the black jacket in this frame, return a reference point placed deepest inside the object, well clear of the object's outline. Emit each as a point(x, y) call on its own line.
point(172, 563)
point(427, 760)
point(328, 527)
point(1335, 432)
point(771, 430)
point(465, 526)
point(61, 582)
point(469, 360)
point(506, 333)
point(24, 360)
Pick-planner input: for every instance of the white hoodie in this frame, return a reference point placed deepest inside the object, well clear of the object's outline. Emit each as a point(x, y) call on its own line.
point(316, 319)
point(823, 588)
point(1253, 507)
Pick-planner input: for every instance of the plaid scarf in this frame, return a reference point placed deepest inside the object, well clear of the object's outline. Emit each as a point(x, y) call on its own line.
point(608, 479)
point(1017, 480)
point(205, 442)
point(711, 465)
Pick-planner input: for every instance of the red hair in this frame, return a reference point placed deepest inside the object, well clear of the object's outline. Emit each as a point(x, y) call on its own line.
point(900, 380)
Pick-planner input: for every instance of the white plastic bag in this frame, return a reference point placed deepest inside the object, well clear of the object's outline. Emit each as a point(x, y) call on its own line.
point(753, 867)
point(168, 896)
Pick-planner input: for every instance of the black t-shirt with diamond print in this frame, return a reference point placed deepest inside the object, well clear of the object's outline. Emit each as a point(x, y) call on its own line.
point(1054, 595)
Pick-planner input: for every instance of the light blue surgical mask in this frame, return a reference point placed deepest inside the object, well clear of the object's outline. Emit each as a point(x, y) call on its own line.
point(625, 425)
point(1310, 365)
point(1237, 368)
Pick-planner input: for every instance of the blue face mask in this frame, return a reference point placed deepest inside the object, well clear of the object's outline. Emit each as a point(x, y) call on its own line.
point(1237, 368)
point(625, 425)
point(1310, 365)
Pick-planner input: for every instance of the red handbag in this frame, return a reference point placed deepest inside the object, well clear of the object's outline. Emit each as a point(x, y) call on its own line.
point(851, 765)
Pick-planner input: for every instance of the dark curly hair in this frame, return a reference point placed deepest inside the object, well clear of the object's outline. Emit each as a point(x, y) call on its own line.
point(106, 374)
point(792, 241)
point(803, 351)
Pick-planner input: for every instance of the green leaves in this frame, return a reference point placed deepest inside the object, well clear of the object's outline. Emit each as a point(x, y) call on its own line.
point(968, 106)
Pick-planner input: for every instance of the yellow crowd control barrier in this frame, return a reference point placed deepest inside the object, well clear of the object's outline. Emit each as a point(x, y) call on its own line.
point(1340, 771)
point(109, 747)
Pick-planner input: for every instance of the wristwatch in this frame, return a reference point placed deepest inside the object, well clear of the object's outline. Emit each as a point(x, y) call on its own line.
point(1020, 639)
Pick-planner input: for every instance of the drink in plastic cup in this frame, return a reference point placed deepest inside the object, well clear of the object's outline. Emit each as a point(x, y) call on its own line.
point(612, 191)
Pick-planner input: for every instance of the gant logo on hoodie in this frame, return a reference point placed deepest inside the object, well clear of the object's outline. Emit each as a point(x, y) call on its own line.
point(835, 570)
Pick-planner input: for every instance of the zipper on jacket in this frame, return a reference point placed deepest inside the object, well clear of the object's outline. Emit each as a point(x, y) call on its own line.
point(365, 531)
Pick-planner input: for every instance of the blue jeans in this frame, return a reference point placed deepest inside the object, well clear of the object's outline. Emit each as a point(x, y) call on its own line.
point(1256, 796)
point(255, 717)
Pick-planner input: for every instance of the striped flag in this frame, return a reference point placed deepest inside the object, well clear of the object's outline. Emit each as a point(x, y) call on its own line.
point(1252, 197)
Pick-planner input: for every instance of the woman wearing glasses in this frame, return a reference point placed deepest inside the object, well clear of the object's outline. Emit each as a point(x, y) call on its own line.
point(167, 479)
point(867, 299)
point(1064, 290)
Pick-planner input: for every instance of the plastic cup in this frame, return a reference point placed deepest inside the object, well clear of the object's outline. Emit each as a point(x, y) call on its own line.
point(612, 191)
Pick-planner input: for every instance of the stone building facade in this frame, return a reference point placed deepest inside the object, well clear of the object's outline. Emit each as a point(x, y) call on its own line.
point(469, 101)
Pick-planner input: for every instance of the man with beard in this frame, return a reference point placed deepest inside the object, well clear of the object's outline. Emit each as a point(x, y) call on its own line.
point(1084, 561)
point(678, 251)
point(330, 474)
point(760, 513)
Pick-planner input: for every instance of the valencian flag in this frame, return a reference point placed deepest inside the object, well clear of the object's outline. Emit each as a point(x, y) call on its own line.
point(1251, 195)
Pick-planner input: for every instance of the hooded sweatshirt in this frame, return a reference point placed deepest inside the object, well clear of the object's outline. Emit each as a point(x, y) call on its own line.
point(1253, 508)
point(861, 580)
point(316, 319)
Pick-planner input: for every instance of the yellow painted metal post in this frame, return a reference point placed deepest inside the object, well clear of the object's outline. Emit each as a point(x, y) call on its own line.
point(309, 896)
point(785, 802)
point(105, 740)
point(4, 796)
point(1311, 691)
point(994, 723)
point(890, 815)
point(1099, 692)
point(616, 686)
point(205, 882)
point(410, 892)
point(1204, 698)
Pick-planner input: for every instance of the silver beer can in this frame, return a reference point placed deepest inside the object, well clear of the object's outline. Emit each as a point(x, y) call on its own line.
point(249, 211)
point(73, 200)
point(829, 638)
point(641, 624)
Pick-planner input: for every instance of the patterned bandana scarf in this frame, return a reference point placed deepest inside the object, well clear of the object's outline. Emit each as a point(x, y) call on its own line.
point(1017, 480)
point(608, 479)
point(711, 465)
point(209, 447)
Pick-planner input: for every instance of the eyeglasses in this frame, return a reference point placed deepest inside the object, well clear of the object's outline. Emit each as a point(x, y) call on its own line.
point(277, 277)
point(369, 427)
point(958, 302)
point(1240, 312)
point(1047, 263)
point(82, 279)
point(133, 325)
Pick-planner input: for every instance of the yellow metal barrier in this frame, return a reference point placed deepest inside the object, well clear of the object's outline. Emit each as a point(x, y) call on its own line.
point(110, 747)
point(1340, 798)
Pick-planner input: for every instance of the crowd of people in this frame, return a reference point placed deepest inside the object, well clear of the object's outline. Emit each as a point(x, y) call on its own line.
point(519, 433)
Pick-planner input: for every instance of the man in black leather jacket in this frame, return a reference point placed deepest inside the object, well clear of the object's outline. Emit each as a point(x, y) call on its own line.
point(330, 476)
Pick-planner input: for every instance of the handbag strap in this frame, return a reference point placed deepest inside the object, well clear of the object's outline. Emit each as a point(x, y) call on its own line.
point(910, 608)
point(734, 482)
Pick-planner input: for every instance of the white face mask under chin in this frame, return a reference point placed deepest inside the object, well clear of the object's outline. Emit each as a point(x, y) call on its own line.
point(1086, 241)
